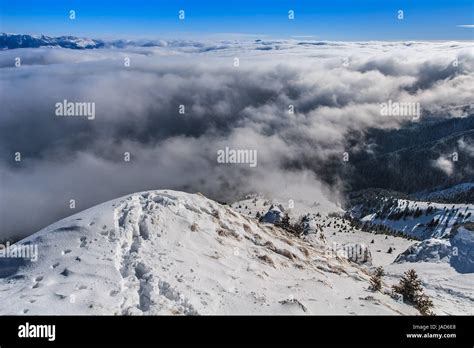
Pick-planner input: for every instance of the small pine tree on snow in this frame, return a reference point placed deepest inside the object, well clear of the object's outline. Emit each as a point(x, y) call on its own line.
point(390, 250)
point(257, 216)
point(409, 286)
point(372, 242)
point(412, 291)
point(376, 279)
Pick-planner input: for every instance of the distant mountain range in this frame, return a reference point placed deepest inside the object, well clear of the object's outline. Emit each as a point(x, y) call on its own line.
point(11, 41)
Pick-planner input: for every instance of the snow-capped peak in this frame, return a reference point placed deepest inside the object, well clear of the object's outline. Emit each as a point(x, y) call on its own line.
point(168, 252)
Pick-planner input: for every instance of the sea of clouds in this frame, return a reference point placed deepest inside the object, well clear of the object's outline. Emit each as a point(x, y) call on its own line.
point(336, 88)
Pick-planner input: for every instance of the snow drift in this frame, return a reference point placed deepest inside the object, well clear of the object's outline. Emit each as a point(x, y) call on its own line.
point(167, 252)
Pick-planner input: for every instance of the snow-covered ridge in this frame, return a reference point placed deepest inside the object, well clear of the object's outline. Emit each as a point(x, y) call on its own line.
point(416, 219)
point(167, 252)
point(445, 265)
point(11, 41)
point(458, 250)
point(445, 230)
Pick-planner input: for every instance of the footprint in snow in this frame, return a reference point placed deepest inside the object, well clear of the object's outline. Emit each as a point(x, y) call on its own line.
point(114, 293)
point(66, 272)
point(53, 266)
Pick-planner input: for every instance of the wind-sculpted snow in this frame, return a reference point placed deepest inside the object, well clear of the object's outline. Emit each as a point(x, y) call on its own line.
point(166, 252)
point(458, 251)
point(463, 242)
point(444, 262)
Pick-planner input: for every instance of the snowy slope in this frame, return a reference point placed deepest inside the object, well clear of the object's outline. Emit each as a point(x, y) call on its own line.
point(167, 252)
point(423, 220)
point(258, 202)
point(444, 230)
point(458, 250)
point(447, 277)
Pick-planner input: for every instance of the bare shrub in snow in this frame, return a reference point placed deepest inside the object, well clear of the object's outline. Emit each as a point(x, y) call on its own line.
point(376, 279)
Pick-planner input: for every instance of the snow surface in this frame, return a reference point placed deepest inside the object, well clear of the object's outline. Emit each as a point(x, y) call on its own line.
point(167, 252)
point(451, 291)
point(445, 278)
point(447, 214)
point(433, 250)
point(457, 250)
point(463, 242)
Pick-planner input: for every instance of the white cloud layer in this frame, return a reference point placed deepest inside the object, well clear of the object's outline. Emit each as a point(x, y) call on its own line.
point(244, 107)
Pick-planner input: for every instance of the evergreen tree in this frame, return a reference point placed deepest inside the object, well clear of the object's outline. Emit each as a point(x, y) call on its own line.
point(412, 291)
point(409, 286)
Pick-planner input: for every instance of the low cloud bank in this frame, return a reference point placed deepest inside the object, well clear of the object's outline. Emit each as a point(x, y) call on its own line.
point(175, 106)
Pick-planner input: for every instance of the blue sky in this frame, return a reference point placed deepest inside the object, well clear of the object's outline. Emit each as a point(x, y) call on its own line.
point(321, 20)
